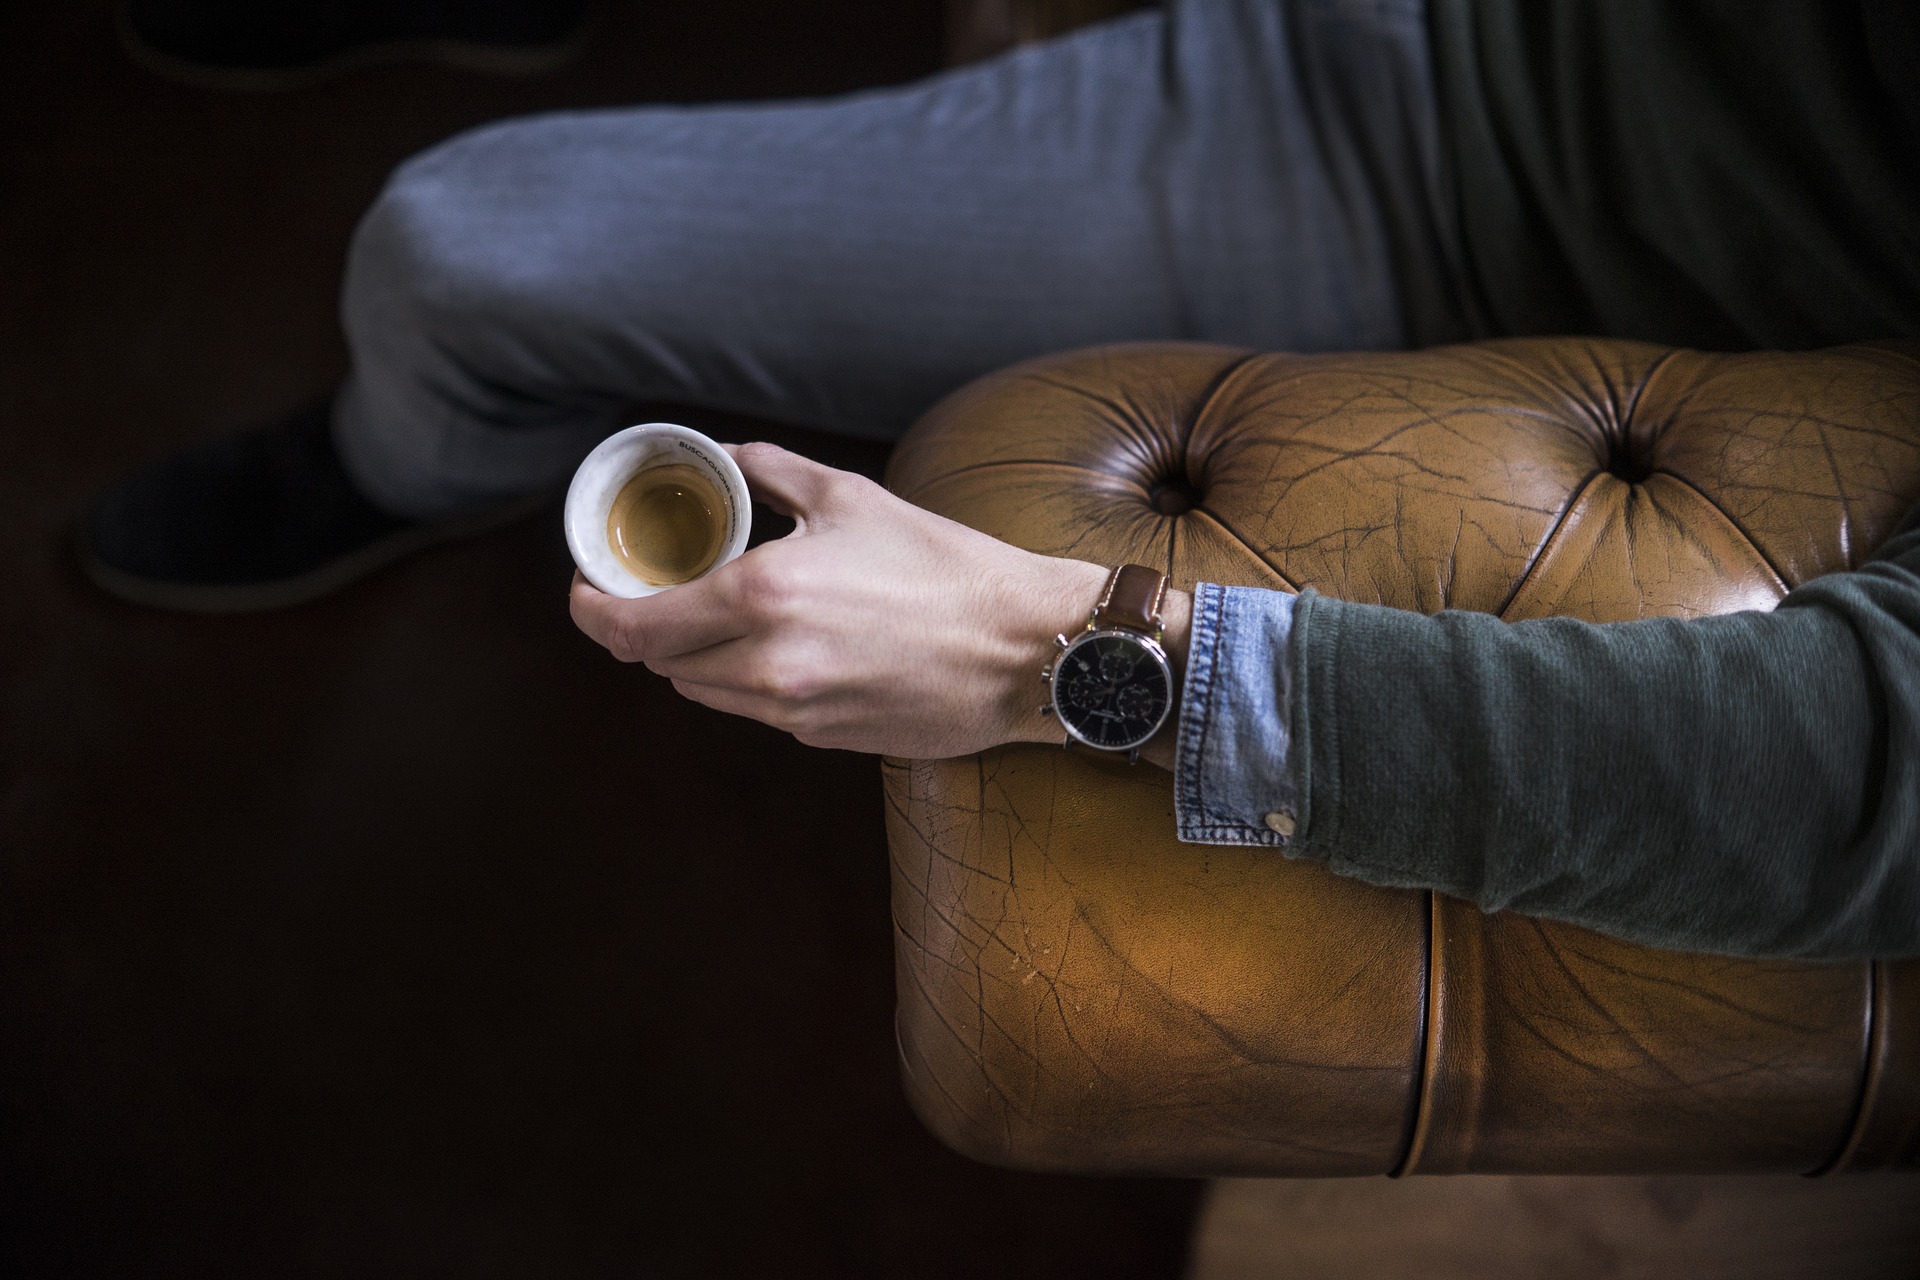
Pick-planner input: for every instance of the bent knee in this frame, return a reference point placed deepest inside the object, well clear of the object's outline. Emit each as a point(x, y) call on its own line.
point(461, 232)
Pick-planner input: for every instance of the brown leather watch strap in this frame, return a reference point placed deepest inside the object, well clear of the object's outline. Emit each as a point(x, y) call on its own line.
point(1132, 599)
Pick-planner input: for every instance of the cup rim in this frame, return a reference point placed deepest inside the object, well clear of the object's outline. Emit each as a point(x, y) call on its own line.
point(601, 475)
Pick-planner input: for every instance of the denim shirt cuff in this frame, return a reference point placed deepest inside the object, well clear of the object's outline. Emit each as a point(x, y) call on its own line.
point(1232, 784)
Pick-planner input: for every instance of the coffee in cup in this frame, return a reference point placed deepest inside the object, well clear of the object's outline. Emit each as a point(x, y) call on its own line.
point(667, 524)
point(655, 506)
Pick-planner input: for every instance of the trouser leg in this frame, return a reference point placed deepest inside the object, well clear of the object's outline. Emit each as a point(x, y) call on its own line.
point(844, 263)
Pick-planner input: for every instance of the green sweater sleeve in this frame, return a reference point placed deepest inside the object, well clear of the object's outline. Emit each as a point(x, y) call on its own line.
point(1746, 784)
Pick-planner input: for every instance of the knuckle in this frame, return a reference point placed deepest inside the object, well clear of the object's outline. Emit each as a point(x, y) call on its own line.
point(810, 729)
point(827, 726)
point(790, 680)
point(627, 642)
point(764, 593)
point(849, 489)
point(781, 685)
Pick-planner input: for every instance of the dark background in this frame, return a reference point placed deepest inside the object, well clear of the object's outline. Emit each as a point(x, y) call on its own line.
point(405, 933)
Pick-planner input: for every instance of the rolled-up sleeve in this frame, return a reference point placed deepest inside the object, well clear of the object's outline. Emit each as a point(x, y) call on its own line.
point(1744, 783)
point(1232, 780)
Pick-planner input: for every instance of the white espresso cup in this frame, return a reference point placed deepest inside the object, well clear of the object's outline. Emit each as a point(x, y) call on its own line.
point(655, 506)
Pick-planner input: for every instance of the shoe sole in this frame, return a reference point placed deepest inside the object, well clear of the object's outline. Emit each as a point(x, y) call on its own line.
point(453, 55)
point(283, 593)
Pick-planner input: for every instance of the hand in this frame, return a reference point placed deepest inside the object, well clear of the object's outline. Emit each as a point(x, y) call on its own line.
point(874, 626)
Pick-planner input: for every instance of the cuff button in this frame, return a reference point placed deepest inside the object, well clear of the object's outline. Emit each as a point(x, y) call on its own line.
point(1280, 823)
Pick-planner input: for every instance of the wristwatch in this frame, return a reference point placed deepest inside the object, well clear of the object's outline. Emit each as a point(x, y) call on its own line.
point(1111, 685)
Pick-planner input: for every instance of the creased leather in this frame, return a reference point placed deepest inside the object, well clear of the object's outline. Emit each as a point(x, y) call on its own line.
point(1080, 992)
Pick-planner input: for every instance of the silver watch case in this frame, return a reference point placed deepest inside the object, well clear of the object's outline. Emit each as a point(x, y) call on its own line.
point(1147, 644)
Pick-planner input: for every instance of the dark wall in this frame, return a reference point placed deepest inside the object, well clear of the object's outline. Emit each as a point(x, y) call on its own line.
point(406, 934)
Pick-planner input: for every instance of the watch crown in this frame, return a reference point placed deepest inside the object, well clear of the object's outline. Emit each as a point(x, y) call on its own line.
point(1046, 675)
point(1060, 639)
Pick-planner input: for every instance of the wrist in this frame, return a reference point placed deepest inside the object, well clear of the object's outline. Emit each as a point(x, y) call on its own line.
point(1060, 599)
point(1064, 596)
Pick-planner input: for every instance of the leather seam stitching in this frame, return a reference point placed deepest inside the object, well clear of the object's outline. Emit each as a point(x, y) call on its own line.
point(1203, 404)
point(1236, 535)
point(1735, 525)
point(1866, 1095)
point(1004, 462)
point(1546, 543)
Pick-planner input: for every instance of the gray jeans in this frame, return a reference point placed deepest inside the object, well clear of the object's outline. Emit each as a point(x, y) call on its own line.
point(1247, 171)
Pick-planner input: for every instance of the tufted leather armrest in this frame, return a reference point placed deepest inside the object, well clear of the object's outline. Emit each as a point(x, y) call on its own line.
point(1078, 991)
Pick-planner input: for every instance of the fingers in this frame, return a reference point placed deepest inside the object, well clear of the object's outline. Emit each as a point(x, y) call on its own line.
point(812, 725)
point(725, 665)
point(658, 627)
point(778, 673)
point(734, 702)
point(790, 484)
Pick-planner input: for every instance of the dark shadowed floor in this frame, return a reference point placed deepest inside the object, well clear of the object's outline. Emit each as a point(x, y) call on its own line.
point(406, 934)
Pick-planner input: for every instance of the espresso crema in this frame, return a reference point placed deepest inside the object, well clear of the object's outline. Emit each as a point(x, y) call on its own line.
point(667, 524)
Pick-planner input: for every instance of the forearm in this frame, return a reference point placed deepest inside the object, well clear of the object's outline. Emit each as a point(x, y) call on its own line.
point(1746, 784)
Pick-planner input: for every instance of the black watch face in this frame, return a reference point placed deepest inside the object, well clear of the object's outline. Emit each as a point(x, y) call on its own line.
point(1112, 690)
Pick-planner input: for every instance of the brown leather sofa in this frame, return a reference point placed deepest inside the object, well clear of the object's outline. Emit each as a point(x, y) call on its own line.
point(1080, 992)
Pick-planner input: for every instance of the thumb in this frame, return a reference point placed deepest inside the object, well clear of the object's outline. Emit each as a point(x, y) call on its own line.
point(792, 485)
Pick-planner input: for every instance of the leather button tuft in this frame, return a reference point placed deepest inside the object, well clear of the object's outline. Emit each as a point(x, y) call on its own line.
point(1172, 497)
point(1280, 822)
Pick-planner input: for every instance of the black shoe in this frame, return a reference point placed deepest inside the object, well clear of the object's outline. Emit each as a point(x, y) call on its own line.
point(280, 44)
point(258, 520)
